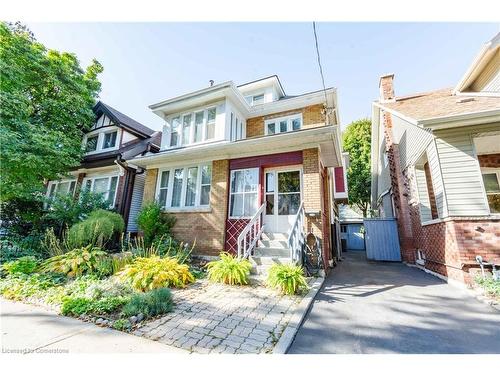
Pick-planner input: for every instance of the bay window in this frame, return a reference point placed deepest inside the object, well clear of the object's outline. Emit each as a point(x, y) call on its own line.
point(105, 185)
point(185, 187)
point(243, 193)
point(193, 127)
point(283, 124)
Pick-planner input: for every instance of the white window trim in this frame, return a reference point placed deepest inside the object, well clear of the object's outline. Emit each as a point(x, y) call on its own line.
point(288, 119)
point(109, 177)
point(251, 98)
point(101, 132)
point(230, 192)
point(170, 185)
point(192, 112)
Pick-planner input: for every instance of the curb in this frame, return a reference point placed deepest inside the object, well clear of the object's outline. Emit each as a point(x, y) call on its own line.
point(477, 294)
point(297, 318)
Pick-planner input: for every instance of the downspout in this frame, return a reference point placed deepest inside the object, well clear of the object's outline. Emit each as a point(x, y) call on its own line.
point(127, 188)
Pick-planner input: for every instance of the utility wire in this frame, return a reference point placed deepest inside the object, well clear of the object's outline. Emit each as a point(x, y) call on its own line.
point(319, 64)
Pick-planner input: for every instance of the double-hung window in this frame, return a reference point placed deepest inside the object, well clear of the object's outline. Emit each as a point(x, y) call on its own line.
point(491, 181)
point(255, 99)
point(174, 134)
point(185, 187)
point(236, 129)
point(105, 185)
point(62, 187)
point(283, 124)
point(91, 144)
point(101, 140)
point(243, 194)
point(211, 123)
point(109, 139)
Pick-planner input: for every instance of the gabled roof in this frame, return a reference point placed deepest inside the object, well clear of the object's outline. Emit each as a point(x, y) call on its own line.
point(488, 55)
point(440, 103)
point(123, 120)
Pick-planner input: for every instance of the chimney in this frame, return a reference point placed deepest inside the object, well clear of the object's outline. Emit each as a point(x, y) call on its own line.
point(386, 87)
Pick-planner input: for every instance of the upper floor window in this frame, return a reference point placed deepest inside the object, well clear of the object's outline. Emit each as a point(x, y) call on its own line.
point(491, 181)
point(255, 99)
point(185, 187)
point(283, 124)
point(101, 140)
point(236, 130)
point(193, 127)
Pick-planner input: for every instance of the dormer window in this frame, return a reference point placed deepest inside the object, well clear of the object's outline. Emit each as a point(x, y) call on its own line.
point(109, 140)
point(283, 124)
point(255, 99)
point(91, 144)
point(193, 127)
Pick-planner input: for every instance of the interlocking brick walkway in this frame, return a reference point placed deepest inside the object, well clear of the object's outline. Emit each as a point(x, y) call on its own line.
point(215, 318)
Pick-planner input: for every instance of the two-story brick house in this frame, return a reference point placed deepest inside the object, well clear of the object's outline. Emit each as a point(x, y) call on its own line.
point(247, 159)
point(109, 145)
point(436, 168)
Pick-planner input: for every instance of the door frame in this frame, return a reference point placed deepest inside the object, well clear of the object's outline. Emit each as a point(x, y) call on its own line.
point(276, 170)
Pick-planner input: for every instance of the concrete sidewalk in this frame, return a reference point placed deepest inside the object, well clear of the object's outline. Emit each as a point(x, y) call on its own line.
point(28, 328)
point(380, 307)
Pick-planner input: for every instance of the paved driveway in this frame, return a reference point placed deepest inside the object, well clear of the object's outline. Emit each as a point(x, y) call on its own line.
point(368, 307)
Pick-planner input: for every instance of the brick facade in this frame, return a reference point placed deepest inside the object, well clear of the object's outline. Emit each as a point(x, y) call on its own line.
point(489, 161)
point(207, 228)
point(312, 117)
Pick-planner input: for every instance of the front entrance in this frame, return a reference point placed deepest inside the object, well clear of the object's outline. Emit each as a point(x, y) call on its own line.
point(282, 195)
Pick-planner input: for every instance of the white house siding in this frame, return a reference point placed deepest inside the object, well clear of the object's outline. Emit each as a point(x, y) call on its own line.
point(136, 202)
point(384, 177)
point(460, 170)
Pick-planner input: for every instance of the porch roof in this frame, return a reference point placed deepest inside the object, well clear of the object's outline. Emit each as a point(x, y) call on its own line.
point(325, 138)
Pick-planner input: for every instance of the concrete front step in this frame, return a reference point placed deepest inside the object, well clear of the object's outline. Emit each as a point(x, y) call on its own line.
point(267, 236)
point(261, 264)
point(273, 243)
point(274, 252)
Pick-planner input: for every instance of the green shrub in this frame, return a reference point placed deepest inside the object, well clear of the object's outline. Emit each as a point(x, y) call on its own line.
point(26, 265)
point(77, 306)
point(155, 272)
point(113, 264)
point(490, 286)
point(75, 263)
point(152, 303)
point(96, 230)
point(164, 246)
point(288, 278)
point(64, 210)
point(122, 324)
point(229, 270)
point(153, 223)
point(14, 247)
point(21, 286)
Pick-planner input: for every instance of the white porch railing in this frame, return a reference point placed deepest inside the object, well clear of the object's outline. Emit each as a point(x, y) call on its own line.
point(251, 233)
point(296, 235)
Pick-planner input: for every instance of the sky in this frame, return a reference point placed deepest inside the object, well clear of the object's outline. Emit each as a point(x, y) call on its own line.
point(145, 63)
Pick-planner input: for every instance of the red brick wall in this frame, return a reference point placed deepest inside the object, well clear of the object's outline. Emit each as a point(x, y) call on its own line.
point(489, 161)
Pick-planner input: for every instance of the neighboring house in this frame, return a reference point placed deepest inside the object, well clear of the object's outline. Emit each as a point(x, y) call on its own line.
point(436, 168)
point(112, 141)
point(247, 159)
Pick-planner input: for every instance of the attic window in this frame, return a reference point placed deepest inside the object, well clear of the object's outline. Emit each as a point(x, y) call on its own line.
point(255, 99)
point(91, 143)
point(109, 140)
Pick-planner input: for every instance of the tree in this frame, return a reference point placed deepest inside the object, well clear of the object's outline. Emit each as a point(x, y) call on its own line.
point(357, 142)
point(46, 102)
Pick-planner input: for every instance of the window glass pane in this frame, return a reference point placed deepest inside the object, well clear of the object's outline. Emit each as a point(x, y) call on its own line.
point(177, 188)
point(112, 190)
point(289, 182)
point(109, 140)
point(258, 99)
point(237, 181)
point(211, 123)
point(198, 127)
point(52, 191)
point(72, 187)
point(205, 195)
point(186, 127)
point(251, 179)
point(62, 188)
point(283, 126)
point(101, 185)
point(206, 174)
point(162, 198)
point(269, 204)
point(91, 144)
point(250, 204)
point(271, 128)
point(192, 174)
point(296, 123)
point(174, 137)
point(288, 204)
point(88, 184)
point(236, 205)
point(269, 182)
point(164, 179)
point(491, 182)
